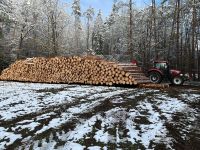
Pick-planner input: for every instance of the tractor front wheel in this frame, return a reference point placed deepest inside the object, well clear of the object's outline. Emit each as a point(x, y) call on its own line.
point(155, 77)
point(177, 81)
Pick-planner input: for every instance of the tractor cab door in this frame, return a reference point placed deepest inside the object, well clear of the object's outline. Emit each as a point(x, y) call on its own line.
point(164, 67)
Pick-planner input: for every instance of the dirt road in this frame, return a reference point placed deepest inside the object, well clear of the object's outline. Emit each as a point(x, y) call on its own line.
point(47, 116)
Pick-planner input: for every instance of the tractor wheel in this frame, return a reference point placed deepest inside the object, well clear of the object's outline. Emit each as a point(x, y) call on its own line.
point(177, 81)
point(155, 77)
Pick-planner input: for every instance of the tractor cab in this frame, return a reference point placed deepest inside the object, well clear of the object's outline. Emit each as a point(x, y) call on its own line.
point(162, 65)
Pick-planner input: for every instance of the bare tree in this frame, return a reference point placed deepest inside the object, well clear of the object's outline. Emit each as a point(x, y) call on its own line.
point(154, 27)
point(130, 35)
point(193, 50)
point(178, 5)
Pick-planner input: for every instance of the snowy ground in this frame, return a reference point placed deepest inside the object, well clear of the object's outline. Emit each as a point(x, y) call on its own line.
point(46, 116)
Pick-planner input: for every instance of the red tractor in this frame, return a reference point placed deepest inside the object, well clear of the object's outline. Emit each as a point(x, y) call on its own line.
point(161, 71)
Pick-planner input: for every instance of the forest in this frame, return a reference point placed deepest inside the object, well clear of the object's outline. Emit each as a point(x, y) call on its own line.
point(165, 30)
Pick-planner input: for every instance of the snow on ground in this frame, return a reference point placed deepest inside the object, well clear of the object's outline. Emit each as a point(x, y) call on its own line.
point(7, 138)
point(52, 116)
point(18, 99)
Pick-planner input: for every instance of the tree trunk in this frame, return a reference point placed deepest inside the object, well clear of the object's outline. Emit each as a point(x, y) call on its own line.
point(198, 50)
point(130, 37)
point(193, 39)
point(172, 36)
point(154, 27)
point(88, 33)
point(198, 65)
point(20, 42)
point(177, 33)
point(54, 34)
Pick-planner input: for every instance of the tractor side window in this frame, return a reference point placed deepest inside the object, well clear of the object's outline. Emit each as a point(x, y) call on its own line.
point(157, 65)
point(161, 66)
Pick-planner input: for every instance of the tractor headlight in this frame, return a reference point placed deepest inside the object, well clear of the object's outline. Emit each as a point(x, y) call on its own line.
point(181, 74)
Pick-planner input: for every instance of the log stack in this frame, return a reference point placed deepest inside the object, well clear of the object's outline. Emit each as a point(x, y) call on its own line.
point(83, 70)
point(135, 71)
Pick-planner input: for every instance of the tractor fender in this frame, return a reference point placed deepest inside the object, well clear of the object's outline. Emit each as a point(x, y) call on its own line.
point(155, 70)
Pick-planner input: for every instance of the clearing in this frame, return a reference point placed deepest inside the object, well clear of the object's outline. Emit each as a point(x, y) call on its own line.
point(61, 116)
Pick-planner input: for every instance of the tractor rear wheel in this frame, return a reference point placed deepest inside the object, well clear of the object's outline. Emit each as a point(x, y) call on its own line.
point(155, 77)
point(177, 81)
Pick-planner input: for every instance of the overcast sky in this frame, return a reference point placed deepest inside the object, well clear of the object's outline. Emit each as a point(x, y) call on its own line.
point(106, 5)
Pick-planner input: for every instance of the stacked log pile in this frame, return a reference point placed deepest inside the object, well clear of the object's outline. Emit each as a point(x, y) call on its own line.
point(139, 76)
point(136, 72)
point(84, 70)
